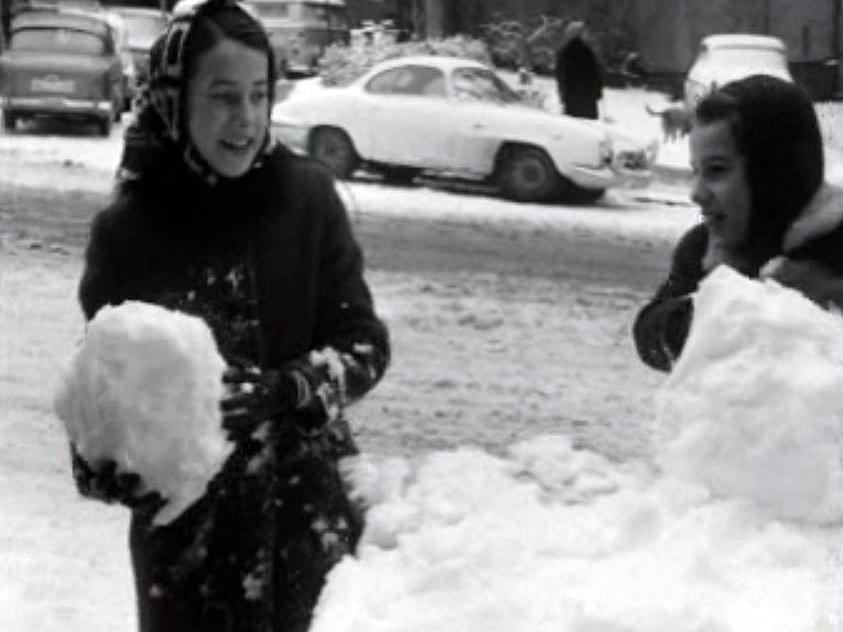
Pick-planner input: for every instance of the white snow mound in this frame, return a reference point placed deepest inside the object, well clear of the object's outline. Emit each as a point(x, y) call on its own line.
point(549, 538)
point(754, 406)
point(144, 390)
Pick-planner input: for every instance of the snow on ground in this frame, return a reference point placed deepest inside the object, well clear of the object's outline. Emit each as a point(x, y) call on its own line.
point(727, 537)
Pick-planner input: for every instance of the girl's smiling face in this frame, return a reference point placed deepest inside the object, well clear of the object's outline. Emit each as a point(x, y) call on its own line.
point(227, 106)
point(721, 187)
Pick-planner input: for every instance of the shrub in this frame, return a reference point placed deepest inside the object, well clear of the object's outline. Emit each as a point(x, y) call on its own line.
point(342, 64)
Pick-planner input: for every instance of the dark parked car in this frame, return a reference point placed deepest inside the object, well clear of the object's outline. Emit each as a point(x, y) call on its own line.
point(61, 63)
point(143, 26)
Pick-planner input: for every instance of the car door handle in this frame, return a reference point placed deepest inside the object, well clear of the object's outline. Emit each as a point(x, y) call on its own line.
point(478, 126)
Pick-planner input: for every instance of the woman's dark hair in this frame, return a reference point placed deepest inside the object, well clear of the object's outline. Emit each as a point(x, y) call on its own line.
point(217, 21)
point(776, 129)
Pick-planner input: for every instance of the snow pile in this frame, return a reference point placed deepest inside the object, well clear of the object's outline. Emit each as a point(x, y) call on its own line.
point(754, 406)
point(549, 538)
point(730, 531)
point(144, 390)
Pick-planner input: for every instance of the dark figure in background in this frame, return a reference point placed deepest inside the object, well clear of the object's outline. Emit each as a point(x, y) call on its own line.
point(214, 218)
point(757, 156)
point(579, 74)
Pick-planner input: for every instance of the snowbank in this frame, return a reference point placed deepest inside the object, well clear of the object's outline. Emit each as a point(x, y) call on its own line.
point(144, 390)
point(548, 538)
point(754, 406)
point(733, 533)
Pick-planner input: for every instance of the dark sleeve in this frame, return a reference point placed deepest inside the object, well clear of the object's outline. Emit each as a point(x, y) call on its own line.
point(662, 325)
point(104, 266)
point(353, 343)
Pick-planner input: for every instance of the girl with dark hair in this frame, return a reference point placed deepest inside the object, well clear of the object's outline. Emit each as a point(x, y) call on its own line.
point(213, 218)
point(757, 156)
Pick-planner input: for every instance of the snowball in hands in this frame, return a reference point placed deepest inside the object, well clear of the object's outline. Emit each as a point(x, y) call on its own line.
point(144, 390)
point(753, 407)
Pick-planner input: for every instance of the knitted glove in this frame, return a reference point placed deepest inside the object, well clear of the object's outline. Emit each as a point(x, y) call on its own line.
point(107, 484)
point(253, 396)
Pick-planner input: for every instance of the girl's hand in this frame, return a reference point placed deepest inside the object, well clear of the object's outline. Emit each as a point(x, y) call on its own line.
point(106, 483)
point(253, 396)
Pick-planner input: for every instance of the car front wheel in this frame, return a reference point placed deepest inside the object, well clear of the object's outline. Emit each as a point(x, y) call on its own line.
point(333, 147)
point(526, 174)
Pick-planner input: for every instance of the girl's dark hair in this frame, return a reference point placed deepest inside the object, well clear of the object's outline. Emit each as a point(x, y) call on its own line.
point(776, 129)
point(217, 21)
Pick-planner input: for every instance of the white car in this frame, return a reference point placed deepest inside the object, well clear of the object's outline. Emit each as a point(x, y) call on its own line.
point(456, 117)
point(728, 57)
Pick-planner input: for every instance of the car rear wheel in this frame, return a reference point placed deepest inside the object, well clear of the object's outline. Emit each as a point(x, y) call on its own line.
point(333, 147)
point(10, 120)
point(526, 174)
point(104, 126)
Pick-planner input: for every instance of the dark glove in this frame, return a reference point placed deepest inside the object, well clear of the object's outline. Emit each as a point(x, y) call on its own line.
point(107, 484)
point(253, 396)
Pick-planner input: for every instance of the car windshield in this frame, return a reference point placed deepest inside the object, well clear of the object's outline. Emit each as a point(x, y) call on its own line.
point(58, 40)
point(143, 29)
point(482, 85)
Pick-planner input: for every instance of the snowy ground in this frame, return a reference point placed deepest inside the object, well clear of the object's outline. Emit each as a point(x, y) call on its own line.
point(509, 322)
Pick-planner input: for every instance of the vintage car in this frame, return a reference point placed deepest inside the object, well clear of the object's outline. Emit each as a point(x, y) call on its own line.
point(143, 25)
point(730, 56)
point(61, 63)
point(457, 117)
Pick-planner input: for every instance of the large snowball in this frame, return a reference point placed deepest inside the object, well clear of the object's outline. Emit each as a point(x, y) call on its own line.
point(144, 390)
point(754, 406)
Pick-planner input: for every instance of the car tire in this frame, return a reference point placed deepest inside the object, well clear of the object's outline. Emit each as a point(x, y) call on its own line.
point(104, 126)
point(526, 174)
point(10, 121)
point(333, 147)
point(397, 174)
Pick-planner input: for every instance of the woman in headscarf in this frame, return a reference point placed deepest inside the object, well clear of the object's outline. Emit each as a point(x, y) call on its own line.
point(757, 156)
point(214, 218)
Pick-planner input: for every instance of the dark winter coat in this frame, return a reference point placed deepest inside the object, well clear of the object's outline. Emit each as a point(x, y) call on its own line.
point(579, 79)
point(661, 327)
point(274, 280)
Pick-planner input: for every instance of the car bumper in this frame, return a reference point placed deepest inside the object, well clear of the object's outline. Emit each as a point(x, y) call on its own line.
point(608, 176)
point(57, 106)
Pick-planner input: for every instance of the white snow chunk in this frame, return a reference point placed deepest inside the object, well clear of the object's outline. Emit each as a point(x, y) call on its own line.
point(144, 390)
point(754, 406)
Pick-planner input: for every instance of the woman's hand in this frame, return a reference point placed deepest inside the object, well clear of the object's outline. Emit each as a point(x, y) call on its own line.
point(253, 396)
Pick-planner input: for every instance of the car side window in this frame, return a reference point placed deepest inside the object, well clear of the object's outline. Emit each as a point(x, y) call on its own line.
point(477, 84)
point(408, 80)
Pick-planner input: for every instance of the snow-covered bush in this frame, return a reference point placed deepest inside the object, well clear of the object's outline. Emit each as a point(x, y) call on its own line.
point(144, 390)
point(753, 407)
point(342, 64)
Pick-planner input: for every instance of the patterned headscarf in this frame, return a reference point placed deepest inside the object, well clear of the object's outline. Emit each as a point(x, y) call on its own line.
point(160, 125)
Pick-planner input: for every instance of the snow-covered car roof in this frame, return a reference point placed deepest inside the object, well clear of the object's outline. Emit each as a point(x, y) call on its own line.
point(443, 62)
point(742, 40)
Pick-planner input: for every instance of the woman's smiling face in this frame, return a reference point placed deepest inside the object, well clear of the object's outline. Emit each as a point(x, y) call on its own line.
point(721, 186)
point(227, 106)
